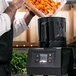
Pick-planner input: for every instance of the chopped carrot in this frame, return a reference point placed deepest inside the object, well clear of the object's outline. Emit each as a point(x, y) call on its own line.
point(46, 6)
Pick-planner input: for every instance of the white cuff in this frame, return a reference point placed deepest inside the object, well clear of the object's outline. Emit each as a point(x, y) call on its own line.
point(7, 21)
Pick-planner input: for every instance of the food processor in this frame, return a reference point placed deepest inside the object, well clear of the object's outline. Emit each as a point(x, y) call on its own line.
point(52, 57)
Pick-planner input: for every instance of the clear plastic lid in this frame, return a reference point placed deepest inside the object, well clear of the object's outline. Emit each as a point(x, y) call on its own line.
point(54, 5)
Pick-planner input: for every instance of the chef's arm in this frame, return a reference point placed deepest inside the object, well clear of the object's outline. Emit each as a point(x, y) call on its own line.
point(20, 25)
point(7, 17)
point(11, 10)
point(28, 16)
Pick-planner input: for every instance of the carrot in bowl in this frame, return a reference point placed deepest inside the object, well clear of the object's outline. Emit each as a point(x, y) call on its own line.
point(46, 6)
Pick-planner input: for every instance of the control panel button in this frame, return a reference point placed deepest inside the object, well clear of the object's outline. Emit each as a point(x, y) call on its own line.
point(37, 60)
point(50, 55)
point(49, 58)
point(37, 56)
point(49, 61)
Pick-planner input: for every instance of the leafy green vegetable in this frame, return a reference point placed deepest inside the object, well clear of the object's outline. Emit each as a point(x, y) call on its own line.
point(19, 61)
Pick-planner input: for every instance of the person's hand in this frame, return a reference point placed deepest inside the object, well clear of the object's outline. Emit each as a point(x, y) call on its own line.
point(17, 3)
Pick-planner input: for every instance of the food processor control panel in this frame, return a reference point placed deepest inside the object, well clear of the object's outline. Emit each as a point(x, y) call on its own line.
point(49, 61)
point(44, 57)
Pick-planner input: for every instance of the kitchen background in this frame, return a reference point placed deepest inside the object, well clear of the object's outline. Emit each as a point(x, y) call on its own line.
point(29, 38)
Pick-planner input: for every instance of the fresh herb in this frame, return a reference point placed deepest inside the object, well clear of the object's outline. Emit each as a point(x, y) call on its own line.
point(19, 61)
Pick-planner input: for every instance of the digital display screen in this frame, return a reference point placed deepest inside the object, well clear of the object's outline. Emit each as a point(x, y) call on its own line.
point(43, 58)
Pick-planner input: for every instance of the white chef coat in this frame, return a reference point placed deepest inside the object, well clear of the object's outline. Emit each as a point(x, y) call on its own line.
point(19, 25)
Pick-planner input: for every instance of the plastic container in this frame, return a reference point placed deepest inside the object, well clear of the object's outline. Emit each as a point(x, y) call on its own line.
point(41, 14)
